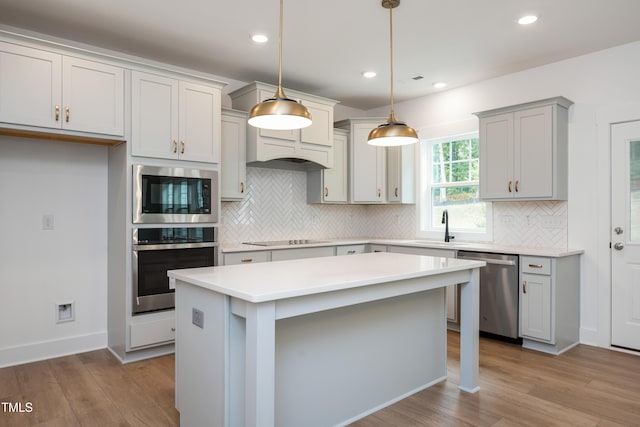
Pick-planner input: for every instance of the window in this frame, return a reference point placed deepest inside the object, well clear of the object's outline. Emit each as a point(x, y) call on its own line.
point(449, 180)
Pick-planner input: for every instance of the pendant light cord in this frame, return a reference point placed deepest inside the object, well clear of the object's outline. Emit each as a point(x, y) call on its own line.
point(392, 116)
point(280, 46)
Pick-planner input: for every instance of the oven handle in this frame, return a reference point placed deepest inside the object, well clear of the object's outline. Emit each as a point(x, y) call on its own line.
point(161, 247)
point(490, 260)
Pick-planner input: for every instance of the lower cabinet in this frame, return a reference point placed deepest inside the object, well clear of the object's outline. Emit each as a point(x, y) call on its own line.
point(550, 303)
point(143, 332)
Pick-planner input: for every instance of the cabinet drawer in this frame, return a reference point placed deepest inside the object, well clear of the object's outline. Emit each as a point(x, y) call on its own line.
point(350, 249)
point(247, 257)
point(535, 265)
point(152, 332)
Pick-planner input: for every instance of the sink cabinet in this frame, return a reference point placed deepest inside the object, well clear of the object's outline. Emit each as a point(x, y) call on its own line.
point(550, 303)
point(233, 169)
point(175, 119)
point(45, 89)
point(524, 151)
point(452, 292)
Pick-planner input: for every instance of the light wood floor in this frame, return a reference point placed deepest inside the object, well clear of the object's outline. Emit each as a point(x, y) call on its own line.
point(586, 386)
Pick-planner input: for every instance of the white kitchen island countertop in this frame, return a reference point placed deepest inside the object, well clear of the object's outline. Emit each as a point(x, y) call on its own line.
point(286, 279)
point(317, 341)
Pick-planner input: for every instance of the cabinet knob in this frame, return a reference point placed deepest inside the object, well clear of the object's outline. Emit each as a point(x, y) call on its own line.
point(524, 286)
point(181, 147)
point(175, 146)
point(173, 329)
point(67, 112)
point(57, 113)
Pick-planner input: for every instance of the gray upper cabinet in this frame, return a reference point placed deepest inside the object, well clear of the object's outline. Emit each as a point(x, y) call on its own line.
point(524, 151)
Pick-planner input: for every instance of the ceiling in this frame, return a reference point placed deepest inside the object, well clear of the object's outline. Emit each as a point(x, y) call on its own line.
point(328, 44)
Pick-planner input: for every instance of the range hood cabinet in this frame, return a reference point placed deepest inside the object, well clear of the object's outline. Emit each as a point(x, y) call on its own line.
point(310, 148)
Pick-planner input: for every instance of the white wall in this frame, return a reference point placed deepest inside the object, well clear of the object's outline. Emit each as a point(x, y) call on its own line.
point(41, 268)
point(599, 84)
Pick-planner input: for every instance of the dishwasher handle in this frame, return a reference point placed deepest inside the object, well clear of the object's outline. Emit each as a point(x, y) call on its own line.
point(490, 260)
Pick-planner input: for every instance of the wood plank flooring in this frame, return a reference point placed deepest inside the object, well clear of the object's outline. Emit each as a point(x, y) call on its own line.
point(586, 386)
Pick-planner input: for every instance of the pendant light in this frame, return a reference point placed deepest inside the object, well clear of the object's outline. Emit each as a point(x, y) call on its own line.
point(279, 112)
point(393, 132)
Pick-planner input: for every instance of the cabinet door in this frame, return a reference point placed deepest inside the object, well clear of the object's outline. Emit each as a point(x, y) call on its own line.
point(336, 179)
point(368, 165)
point(30, 86)
point(533, 152)
point(154, 116)
point(233, 166)
point(93, 97)
point(535, 307)
point(199, 123)
point(321, 130)
point(401, 174)
point(496, 157)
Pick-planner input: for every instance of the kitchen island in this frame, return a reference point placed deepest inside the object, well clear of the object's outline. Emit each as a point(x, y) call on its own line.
point(319, 341)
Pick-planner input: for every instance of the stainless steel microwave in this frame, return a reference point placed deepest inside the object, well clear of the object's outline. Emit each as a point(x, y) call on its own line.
point(174, 195)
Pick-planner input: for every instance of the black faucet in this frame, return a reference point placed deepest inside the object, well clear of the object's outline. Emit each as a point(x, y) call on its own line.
point(445, 221)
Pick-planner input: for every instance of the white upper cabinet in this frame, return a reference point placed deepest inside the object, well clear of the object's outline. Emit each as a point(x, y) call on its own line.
point(401, 175)
point(524, 151)
point(49, 90)
point(331, 185)
point(234, 154)
point(367, 163)
point(313, 143)
point(175, 119)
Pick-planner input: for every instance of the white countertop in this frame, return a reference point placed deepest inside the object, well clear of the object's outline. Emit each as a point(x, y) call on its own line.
point(272, 281)
point(454, 246)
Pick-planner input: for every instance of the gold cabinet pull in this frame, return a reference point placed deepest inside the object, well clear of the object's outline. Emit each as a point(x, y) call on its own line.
point(535, 265)
point(326, 191)
point(173, 329)
point(396, 192)
point(379, 192)
point(509, 186)
point(524, 286)
point(57, 112)
point(175, 146)
point(517, 182)
point(246, 260)
point(241, 187)
point(181, 146)
point(351, 252)
point(67, 112)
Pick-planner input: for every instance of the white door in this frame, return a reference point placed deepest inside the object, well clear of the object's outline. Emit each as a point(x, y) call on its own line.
point(625, 235)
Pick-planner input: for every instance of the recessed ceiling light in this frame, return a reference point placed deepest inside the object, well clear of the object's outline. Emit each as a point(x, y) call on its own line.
point(439, 85)
point(526, 20)
point(260, 38)
point(368, 74)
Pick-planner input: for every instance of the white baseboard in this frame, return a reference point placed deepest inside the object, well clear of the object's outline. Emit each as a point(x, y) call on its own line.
point(43, 350)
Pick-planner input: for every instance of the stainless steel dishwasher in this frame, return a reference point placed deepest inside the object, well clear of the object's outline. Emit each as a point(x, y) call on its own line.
point(499, 291)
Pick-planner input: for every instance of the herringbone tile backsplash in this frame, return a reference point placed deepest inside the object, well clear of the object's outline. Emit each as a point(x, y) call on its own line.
point(276, 208)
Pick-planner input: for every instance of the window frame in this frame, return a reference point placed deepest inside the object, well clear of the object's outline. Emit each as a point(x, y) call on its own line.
point(424, 201)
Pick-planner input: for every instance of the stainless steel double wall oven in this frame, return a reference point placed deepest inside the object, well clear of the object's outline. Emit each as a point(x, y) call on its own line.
point(184, 203)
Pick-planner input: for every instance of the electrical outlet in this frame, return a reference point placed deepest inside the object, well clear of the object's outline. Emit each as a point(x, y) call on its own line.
point(197, 317)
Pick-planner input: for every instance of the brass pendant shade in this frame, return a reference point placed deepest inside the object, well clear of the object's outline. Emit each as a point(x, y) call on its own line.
point(279, 112)
point(393, 132)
